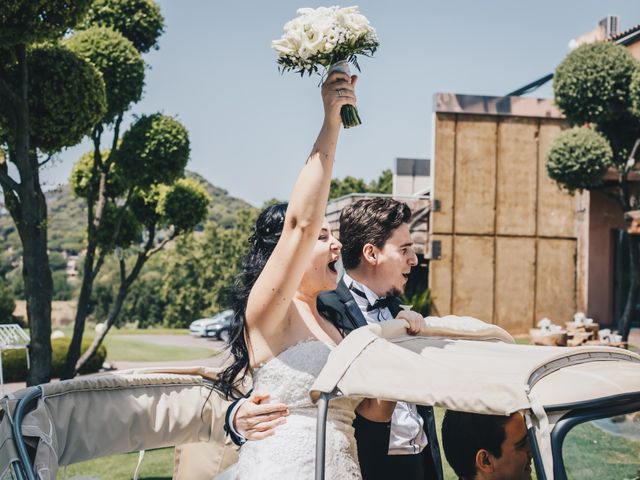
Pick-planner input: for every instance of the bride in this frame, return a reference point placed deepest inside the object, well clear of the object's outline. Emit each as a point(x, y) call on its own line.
point(279, 335)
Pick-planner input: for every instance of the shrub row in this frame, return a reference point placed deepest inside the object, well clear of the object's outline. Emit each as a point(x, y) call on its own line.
point(14, 363)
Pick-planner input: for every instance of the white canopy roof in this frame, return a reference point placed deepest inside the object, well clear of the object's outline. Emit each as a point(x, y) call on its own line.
point(381, 361)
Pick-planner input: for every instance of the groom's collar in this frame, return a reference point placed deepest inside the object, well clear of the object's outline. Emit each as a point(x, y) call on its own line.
point(352, 284)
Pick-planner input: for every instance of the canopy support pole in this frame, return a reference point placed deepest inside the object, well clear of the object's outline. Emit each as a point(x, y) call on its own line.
point(321, 433)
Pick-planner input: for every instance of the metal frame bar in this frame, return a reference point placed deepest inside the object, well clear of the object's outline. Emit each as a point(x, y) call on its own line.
point(321, 433)
point(22, 407)
point(573, 418)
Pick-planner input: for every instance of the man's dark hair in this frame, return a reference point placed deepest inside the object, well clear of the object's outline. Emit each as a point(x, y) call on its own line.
point(463, 434)
point(371, 221)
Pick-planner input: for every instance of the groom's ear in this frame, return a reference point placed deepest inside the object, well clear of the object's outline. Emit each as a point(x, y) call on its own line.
point(370, 254)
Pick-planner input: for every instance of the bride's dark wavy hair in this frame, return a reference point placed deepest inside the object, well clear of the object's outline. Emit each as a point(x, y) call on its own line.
point(267, 232)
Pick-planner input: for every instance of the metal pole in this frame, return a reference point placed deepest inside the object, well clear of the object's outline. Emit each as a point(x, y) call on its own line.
point(321, 433)
point(1, 376)
point(21, 410)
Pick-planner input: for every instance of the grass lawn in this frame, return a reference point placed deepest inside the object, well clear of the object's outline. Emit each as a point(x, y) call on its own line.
point(125, 349)
point(157, 465)
point(591, 452)
point(618, 458)
point(90, 333)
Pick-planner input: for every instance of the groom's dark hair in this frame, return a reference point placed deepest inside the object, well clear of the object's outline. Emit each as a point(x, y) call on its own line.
point(370, 220)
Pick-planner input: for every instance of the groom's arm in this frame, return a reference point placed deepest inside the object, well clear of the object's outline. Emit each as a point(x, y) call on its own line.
point(254, 419)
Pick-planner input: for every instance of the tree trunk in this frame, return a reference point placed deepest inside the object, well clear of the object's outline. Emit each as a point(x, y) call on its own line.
point(31, 221)
point(38, 286)
point(113, 315)
point(82, 312)
point(624, 323)
point(125, 283)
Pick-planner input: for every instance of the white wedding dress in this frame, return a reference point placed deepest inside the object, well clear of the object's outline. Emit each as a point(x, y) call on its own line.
point(290, 453)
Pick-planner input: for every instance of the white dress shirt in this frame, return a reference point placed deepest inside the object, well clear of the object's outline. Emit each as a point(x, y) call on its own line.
point(407, 430)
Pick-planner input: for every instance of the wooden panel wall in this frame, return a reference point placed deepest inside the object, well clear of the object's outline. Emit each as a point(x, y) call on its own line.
point(506, 231)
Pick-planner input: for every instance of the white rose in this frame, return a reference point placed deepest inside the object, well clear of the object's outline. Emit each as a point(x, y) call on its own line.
point(314, 39)
point(353, 21)
point(304, 52)
point(283, 47)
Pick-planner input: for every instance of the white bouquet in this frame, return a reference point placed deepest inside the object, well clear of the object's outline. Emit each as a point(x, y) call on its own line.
point(330, 37)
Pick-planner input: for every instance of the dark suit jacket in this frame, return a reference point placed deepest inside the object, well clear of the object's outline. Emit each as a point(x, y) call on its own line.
point(341, 308)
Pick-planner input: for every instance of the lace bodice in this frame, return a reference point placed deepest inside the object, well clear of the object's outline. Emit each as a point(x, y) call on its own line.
point(290, 453)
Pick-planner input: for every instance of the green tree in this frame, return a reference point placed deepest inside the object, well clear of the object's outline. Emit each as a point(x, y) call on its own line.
point(49, 99)
point(7, 304)
point(201, 271)
point(597, 87)
point(349, 184)
point(137, 197)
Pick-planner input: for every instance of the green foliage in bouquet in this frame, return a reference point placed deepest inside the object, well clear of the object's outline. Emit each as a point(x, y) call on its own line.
point(342, 52)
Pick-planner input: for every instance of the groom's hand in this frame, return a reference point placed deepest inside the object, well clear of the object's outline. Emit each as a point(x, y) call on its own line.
point(414, 319)
point(256, 420)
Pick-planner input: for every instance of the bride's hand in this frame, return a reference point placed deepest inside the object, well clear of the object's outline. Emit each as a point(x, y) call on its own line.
point(255, 420)
point(338, 90)
point(414, 319)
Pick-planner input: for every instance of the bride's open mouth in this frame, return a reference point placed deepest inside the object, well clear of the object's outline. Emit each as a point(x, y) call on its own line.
point(332, 266)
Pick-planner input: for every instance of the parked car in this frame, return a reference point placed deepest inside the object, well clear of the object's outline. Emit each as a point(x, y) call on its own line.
point(220, 329)
point(214, 326)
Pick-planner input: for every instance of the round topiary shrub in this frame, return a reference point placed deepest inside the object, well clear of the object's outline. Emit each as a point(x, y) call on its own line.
point(81, 177)
point(138, 20)
point(119, 62)
point(154, 150)
point(591, 85)
point(14, 362)
point(183, 204)
point(66, 97)
point(578, 158)
point(129, 231)
point(38, 20)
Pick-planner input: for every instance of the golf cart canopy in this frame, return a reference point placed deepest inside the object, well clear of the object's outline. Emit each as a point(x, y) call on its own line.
point(550, 385)
point(491, 377)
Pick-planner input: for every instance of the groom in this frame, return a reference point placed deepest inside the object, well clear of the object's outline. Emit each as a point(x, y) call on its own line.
point(377, 254)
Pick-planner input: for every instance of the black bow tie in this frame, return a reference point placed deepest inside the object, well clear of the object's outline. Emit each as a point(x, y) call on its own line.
point(379, 304)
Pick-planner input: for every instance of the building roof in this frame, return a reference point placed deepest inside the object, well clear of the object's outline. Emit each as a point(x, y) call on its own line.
point(630, 35)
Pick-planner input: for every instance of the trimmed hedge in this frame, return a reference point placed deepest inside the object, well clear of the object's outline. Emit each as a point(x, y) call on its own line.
point(578, 158)
point(591, 85)
point(14, 363)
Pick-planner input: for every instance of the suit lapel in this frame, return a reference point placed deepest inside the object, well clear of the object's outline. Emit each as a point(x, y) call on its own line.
point(352, 310)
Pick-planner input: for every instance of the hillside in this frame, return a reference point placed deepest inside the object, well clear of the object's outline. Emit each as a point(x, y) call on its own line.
point(67, 218)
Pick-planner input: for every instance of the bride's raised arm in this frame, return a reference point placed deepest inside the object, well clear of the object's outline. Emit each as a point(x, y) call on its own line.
point(271, 295)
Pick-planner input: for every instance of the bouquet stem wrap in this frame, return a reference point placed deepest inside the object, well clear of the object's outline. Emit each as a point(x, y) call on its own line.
point(348, 113)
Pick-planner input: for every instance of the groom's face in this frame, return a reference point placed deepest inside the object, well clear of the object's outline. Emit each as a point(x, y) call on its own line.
point(395, 260)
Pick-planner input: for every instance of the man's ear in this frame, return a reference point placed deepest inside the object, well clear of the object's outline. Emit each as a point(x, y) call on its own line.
point(484, 461)
point(370, 254)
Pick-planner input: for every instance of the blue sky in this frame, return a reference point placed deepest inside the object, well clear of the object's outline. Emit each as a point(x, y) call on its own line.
point(252, 128)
